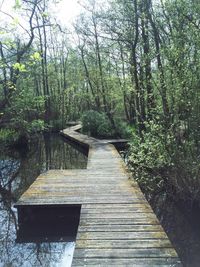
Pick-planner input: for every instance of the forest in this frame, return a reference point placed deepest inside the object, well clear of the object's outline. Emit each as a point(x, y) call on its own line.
point(128, 69)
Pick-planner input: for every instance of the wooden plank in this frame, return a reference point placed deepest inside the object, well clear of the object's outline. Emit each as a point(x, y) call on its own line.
point(121, 215)
point(120, 262)
point(123, 244)
point(121, 235)
point(119, 228)
point(120, 221)
point(89, 191)
point(125, 253)
point(123, 209)
point(115, 206)
point(61, 201)
point(62, 197)
point(127, 211)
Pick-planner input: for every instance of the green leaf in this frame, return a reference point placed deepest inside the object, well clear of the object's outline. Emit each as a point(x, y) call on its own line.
point(17, 4)
point(20, 67)
point(36, 56)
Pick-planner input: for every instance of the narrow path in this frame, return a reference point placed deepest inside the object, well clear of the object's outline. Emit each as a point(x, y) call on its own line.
point(117, 226)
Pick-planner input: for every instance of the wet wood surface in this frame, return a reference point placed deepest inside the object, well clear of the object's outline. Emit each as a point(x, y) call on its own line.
point(117, 226)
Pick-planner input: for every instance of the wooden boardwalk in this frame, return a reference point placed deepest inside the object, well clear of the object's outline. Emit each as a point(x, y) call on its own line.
point(117, 226)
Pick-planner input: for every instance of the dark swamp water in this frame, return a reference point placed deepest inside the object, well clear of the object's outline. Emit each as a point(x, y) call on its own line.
point(181, 221)
point(19, 168)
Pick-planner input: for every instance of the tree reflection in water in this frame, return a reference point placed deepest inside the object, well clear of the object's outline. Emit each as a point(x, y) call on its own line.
point(17, 171)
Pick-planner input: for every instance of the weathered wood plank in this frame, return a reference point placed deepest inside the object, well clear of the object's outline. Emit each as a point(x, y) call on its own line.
point(121, 215)
point(119, 228)
point(123, 244)
point(62, 201)
point(117, 209)
point(125, 253)
point(88, 199)
point(90, 191)
point(120, 235)
point(121, 206)
point(120, 221)
point(120, 262)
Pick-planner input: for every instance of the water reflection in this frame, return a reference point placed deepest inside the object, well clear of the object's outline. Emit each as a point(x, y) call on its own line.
point(54, 223)
point(45, 254)
point(18, 169)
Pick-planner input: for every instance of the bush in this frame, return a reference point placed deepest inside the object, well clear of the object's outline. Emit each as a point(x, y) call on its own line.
point(25, 128)
point(123, 129)
point(55, 125)
point(96, 124)
point(36, 126)
point(184, 174)
point(161, 161)
point(105, 129)
point(8, 136)
point(148, 157)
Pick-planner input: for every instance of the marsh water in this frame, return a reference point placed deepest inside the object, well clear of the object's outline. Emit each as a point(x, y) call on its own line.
point(20, 167)
point(181, 221)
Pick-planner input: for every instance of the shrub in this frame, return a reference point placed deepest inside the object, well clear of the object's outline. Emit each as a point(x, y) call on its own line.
point(55, 125)
point(123, 129)
point(25, 128)
point(159, 160)
point(105, 129)
point(96, 124)
point(8, 136)
point(148, 157)
point(36, 126)
point(184, 174)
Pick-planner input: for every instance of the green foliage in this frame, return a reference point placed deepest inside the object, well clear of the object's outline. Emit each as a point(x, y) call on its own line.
point(105, 129)
point(25, 112)
point(148, 156)
point(184, 173)
point(36, 126)
point(8, 137)
point(169, 159)
point(20, 67)
point(56, 125)
point(96, 124)
point(123, 129)
point(36, 56)
point(17, 4)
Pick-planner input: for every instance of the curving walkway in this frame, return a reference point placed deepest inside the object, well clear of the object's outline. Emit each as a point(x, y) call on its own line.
point(117, 226)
